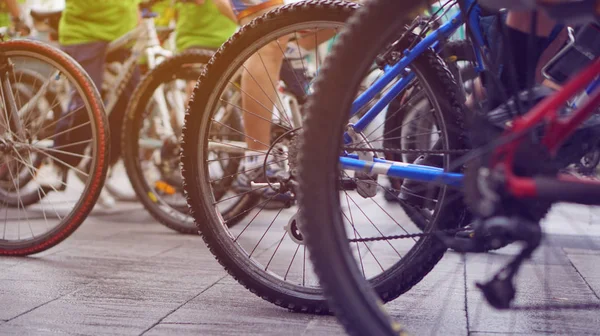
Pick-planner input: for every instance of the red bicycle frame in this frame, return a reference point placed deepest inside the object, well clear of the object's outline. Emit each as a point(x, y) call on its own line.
point(561, 188)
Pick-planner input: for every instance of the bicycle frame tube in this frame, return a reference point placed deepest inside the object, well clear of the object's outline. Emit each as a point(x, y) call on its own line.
point(592, 87)
point(557, 131)
point(396, 70)
point(398, 169)
point(403, 170)
point(444, 32)
point(13, 122)
point(431, 41)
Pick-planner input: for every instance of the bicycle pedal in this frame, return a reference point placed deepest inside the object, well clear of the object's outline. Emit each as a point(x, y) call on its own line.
point(366, 184)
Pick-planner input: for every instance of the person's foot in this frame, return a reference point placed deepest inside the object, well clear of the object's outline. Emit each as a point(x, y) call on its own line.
point(51, 177)
point(106, 200)
point(417, 193)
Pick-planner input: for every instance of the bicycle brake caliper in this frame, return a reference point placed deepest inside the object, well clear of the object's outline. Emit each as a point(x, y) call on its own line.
point(366, 183)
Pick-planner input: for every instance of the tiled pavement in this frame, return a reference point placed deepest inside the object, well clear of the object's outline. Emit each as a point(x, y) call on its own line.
point(123, 274)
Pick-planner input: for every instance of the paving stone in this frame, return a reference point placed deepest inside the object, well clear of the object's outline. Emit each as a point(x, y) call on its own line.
point(121, 273)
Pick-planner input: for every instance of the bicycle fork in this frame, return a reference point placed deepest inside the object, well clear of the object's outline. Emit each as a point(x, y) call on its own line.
point(11, 113)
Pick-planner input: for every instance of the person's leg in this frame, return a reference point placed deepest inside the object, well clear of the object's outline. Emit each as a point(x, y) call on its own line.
point(72, 132)
point(259, 82)
point(517, 27)
point(115, 117)
point(91, 57)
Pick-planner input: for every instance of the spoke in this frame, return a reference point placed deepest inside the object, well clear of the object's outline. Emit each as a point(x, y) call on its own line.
point(252, 220)
point(241, 194)
point(248, 210)
point(234, 158)
point(367, 246)
point(362, 266)
point(63, 132)
point(411, 86)
point(263, 91)
point(264, 234)
point(282, 113)
point(383, 138)
point(291, 263)
point(67, 115)
point(304, 267)
point(394, 129)
point(31, 170)
point(375, 226)
point(380, 139)
point(289, 127)
point(290, 64)
point(5, 109)
point(304, 71)
point(19, 205)
point(382, 209)
point(277, 248)
point(4, 204)
point(245, 171)
point(239, 132)
point(54, 150)
point(62, 162)
point(28, 108)
point(67, 145)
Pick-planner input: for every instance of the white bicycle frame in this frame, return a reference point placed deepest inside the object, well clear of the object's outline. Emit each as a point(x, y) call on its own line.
point(145, 43)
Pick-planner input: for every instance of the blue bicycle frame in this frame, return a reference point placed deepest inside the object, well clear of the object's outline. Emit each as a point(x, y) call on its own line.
point(398, 169)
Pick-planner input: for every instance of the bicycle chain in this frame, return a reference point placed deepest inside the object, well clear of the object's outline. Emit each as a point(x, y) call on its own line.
point(408, 151)
point(557, 307)
point(408, 236)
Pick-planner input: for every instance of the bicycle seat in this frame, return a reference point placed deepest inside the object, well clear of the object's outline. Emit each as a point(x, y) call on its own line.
point(46, 15)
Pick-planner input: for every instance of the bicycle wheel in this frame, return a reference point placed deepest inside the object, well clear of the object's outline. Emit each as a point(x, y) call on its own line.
point(406, 125)
point(151, 133)
point(263, 251)
point(62, 207)
point(325, 224)
point(29, 90)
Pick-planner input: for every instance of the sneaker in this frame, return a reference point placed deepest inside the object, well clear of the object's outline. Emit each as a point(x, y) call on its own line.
point(278, 200)
point(51, 177)
point(106, 200)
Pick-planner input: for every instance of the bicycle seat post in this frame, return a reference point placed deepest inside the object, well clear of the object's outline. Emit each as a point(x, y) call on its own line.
point(150, 29)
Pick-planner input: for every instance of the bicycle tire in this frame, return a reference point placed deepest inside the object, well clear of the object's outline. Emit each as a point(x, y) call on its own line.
point(255, 279)
point(98, 170)
point(355, 302)
point(454, 51)
point(166, 71)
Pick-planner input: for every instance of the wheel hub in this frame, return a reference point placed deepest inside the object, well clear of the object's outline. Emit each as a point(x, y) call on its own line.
point(294, 231)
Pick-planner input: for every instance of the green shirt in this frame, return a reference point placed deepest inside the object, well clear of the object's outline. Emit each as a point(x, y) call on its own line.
point(164, 12)
point(85, 21)
point(202, 26)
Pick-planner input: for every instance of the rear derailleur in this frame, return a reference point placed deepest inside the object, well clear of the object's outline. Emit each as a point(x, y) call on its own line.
point(499, 222)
